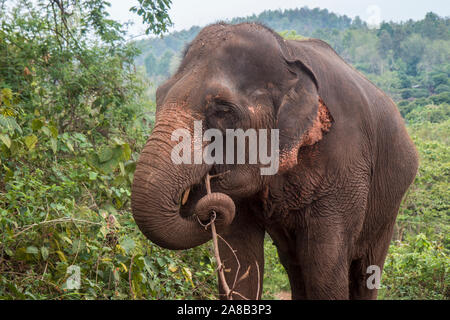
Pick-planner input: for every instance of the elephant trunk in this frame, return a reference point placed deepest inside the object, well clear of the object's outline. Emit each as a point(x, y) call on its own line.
point(156, 194)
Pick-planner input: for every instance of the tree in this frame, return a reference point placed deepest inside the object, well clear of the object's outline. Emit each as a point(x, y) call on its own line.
point(433, 27)
point(150, 64)
point(164, 63)
point(384, 43)
point(73, 117)
point(412, 50)
point(155, 14)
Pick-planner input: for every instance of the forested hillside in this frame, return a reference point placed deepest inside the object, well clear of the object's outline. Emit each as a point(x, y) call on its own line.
point(76, 110)
point(407, 60)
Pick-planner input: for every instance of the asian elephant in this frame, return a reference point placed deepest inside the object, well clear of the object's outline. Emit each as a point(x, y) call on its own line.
point(345, 162)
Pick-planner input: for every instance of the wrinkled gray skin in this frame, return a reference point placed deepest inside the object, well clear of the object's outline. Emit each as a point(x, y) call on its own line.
point(345, 162)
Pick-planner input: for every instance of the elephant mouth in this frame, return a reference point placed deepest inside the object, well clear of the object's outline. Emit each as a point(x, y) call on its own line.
point(190, 196)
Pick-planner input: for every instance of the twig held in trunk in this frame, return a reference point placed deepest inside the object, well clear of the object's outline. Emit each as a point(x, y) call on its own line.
point(220, 266)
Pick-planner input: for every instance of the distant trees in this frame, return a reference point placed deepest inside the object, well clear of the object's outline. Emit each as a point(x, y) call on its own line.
point(158, 67)
point(411, 52)
point(302, 21)
point(150, 63)
point(409, 59)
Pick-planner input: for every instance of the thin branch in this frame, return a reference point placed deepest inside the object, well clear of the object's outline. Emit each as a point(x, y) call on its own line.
point(259, 277)
point(220, 266)
point(237, 260)
point(129, 277)
point(45, 270)
point(92, 197)
point(242, 296)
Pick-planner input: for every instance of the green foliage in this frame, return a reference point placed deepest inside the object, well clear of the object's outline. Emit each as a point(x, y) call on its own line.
point(158, 67)
point(73, 119)
point(154, 13)
point(425, 105)
point(429, 113)
point(303, 20)
point(292, 35)
point(275, 277)
point(417, 265)
point(416, 269)
point(299, 21)
point(407, 60)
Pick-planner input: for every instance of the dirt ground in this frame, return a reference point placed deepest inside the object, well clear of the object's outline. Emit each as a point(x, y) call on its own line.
point(283, 295)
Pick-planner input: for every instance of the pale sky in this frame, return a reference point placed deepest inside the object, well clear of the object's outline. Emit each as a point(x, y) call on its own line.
point(186, 13)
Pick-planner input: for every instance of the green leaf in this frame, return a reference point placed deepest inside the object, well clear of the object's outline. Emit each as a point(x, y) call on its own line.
point(148, 263)
point(36, 124)
point(54, 145)
point(9, 123)
point(127, 244)
point(6, 140)
point(54, 131)
point(46, 131)
point(70, 146)
point(126, 152)
point(93, 175)
point(122, 168)
point(30, 141)
point(105, 154)
point(7, 93)
point(161, 262)
point(32, 250)
point(61, 256)
point(44, 253)
point(116, 275)
point(66, 239)
point(9, 252)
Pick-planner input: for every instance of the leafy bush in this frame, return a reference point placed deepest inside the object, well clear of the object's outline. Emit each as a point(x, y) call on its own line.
point(64, 201)
point(429, 113)
point(416, 269)
point(414, 93)
point(275, 277)
point(442, 88)
point(417, 264)
point(73, 118)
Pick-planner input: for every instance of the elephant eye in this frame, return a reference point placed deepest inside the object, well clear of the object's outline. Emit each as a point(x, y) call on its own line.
point(222, 110)
point(221, 116)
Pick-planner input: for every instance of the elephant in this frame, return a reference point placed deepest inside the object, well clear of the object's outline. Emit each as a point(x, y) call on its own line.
point(345, 163)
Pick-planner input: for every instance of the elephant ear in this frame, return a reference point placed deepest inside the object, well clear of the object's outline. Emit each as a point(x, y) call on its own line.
point(302, 116)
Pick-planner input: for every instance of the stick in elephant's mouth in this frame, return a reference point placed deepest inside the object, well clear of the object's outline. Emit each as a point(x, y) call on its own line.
point(208, 177)
point(220, 265)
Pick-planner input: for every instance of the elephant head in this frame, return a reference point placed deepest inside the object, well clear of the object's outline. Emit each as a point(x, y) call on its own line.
point(231, 77)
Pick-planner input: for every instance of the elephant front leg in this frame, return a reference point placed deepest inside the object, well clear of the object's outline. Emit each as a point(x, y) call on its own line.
point(322, 269)
point(244, 269)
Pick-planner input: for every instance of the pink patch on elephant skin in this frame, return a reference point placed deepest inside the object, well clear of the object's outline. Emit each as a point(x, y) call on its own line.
point(321, 124)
